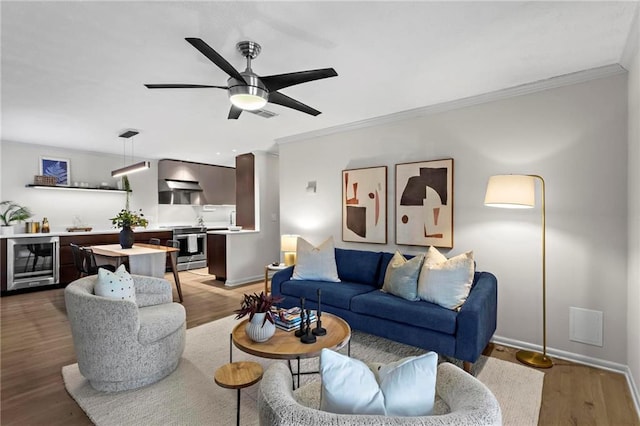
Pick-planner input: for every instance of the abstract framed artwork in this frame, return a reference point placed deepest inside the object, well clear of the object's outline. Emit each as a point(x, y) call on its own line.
point(424, 203)
point(58, 167)
point(364, 205)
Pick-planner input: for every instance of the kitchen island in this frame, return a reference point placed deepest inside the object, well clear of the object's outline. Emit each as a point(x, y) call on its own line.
point(235, 257)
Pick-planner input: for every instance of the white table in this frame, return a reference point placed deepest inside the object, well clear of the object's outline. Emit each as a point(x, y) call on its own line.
point(271, 268)
point(144, 259)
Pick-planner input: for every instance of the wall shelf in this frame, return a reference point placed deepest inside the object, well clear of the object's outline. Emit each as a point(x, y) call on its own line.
point(76, 188)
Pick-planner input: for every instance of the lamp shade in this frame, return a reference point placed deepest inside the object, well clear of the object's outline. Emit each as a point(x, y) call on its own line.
point(289, 243)
point(511, 191)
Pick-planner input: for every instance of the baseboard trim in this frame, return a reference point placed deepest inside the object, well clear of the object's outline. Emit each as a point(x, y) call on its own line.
point(245, 280)
point(580, 359)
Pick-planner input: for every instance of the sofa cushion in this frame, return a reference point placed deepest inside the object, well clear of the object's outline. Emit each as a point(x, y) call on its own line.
point(315, 263)
point(419, 314)
point(402, 388)
point(159, 321)
point(401, 278)
point(333, 294)
point(358, 266)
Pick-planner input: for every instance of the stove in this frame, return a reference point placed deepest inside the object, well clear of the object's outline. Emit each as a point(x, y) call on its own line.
point(193, 246)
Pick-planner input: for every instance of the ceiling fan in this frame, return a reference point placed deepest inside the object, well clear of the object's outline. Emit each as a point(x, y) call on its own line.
point(247, 90)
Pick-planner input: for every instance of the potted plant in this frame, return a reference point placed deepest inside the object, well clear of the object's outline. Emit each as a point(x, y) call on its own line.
point(126, 219)
point(12, 212)
point(261, 325)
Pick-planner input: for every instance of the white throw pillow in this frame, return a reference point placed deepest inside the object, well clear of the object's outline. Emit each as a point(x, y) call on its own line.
point(447, 283)
point(433, 257)
point(401, 277)
point(116, 285)
point(402, 388)
point(315, 263)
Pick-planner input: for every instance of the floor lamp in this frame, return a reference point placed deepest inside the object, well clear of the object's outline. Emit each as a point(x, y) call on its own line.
point(518, 191)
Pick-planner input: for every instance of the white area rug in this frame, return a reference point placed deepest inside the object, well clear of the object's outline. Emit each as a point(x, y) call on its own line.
point(189, 396)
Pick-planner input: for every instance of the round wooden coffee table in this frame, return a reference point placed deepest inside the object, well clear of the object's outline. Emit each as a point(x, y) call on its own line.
point(285, 344)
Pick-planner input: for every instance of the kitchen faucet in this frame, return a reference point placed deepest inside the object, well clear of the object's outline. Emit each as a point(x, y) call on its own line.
point(200, 221)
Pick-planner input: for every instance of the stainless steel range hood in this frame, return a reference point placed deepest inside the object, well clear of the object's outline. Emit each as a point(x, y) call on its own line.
point(173, 191)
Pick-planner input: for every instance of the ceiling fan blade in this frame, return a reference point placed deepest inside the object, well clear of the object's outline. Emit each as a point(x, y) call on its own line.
point(183, 86)
point(234, 112)
point(284, 100)
point(280, 81)
point(215, 57)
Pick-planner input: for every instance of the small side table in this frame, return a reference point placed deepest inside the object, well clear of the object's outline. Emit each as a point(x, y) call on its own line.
point(238, 375)
point(271, 268)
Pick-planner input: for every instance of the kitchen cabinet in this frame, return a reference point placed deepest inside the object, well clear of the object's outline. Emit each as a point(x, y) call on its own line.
point(245, 191)
point(3, 264)
point(217, 256)
point(177, 170)
point(218, 183)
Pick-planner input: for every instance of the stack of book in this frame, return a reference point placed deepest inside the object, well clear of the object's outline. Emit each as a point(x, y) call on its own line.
point(289, 319)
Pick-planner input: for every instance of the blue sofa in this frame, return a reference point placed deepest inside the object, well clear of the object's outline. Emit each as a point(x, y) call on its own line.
point(358, 300)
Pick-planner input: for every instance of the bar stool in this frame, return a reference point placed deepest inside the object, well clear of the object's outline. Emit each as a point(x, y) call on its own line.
point(174, 262)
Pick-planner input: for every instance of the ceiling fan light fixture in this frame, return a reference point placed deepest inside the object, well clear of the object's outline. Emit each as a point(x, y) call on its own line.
point(247, 101)
point(248, 97)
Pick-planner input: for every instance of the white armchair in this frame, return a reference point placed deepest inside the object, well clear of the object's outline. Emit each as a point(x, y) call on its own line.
point(122, 344)
point(461, 400)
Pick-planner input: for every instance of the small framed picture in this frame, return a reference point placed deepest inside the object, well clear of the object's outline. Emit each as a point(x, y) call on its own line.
point(60, 168)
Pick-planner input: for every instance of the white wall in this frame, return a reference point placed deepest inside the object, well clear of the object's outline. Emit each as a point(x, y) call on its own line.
point(20, 162)
point(574, 136)
point(267, 175)
point(631, 61)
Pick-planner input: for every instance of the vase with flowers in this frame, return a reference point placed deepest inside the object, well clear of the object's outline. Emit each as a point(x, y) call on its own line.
point(261, 325)
point(126, 219)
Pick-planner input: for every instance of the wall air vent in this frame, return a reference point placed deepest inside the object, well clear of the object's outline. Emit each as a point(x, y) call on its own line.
point(264, 113)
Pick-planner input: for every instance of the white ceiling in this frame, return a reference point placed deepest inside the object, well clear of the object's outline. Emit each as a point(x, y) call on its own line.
point(73, 72)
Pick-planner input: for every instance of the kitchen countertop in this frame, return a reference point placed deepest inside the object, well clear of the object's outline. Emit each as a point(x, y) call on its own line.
point(67, 233)
point(227, 232)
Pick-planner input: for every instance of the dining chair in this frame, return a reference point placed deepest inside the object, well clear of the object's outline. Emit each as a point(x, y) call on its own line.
point(174, 260)
point(155, 241)
point(78, 260)
point(90, 264)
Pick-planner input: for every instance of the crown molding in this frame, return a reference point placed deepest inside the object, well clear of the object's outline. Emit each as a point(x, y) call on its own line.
point(524, 89)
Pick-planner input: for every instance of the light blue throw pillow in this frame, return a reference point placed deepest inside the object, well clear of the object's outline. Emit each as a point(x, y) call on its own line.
point(401, 277)
point(315, 263)
point(402, 388)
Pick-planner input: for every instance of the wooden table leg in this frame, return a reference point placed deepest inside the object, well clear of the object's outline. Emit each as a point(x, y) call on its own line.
point(176, 277)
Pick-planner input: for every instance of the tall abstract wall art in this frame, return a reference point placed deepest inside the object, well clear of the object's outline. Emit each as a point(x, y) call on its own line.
point(364, 205)
point(424, 203)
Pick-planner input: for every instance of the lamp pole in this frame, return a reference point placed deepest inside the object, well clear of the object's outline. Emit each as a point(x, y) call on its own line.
point(535, 359)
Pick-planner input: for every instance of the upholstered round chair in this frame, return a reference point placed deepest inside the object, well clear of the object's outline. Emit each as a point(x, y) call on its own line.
point(122, 344)
point(461, 399)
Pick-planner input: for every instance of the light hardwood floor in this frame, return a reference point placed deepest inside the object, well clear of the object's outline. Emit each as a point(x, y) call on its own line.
point(36, 344)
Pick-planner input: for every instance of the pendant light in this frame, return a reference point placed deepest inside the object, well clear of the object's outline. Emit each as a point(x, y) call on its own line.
point(142, 165)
